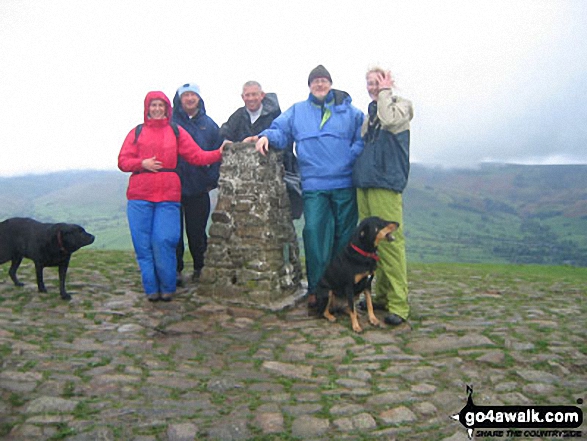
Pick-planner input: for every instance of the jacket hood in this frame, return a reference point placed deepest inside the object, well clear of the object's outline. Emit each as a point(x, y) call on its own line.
point(157, 95)
point(177, 108)
point(270, 103)
point(339, 97)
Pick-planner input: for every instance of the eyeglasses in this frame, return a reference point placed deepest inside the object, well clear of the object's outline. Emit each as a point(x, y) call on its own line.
point(320, 81)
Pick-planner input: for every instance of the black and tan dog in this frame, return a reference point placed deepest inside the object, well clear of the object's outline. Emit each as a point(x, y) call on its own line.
point(45, 244)
point(351, 272)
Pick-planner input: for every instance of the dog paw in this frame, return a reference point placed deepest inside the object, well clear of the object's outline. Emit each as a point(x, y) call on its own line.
point(65, 296)
point(375, 322)
point(19, 284)
point(330, 318)
point(357, 329)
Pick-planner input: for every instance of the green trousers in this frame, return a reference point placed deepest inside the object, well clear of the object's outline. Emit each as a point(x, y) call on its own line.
point(391, 275)
point(330, 218)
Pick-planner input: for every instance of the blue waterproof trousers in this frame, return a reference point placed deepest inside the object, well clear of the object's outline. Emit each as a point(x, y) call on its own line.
point(154, 228)
point(330, 217)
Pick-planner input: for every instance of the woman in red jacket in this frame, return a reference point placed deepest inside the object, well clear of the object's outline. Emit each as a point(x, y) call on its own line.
point(154, 192)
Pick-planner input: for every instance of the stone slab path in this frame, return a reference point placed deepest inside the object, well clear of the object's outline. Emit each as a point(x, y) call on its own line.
point(111, 366)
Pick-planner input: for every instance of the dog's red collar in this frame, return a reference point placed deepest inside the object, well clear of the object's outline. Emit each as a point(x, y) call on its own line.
point(373, 256)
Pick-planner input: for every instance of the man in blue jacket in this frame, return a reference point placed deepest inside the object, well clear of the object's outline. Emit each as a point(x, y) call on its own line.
point(196, 181)
point(327, 131)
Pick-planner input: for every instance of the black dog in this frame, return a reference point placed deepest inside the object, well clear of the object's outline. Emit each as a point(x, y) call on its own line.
point(44, 244)
point(351, 272)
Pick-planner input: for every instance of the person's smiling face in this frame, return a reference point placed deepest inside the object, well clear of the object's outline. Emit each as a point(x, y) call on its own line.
point(373, 85)
point(190, 101)
point(157, 109)
point(252, 96)
point(319, 87)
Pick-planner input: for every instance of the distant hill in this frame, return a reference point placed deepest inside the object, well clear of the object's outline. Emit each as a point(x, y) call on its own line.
point(494, 213)
point(498, 213)
point(94, 199)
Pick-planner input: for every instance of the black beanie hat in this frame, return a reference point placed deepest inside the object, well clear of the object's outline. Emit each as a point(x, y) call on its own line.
point(319, 72)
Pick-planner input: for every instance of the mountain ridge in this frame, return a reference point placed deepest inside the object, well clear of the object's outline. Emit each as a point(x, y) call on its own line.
point(501, 213)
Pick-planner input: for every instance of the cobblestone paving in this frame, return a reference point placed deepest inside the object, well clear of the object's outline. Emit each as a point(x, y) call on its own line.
point(111, 366)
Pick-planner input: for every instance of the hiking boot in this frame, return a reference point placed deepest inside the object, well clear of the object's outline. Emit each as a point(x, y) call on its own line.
point(393, 320)
point(153, 297)
point(312, 305)
point(167, 297)
point(362, 306)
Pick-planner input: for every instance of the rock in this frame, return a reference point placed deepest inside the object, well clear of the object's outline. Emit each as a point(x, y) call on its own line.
point(538, 389)
point(230, 430)
point(182, 432)
point(493, 357)
point(397, 416)
point(426, 408)
point(538, 376)
point(288, 370)
point(449, 343)
point(307, 427)
point(131, 327)
point(271, 422)
point(363, 421)
point(346, 409)
point(50, 404)
point(253, 251)
point(423, 388)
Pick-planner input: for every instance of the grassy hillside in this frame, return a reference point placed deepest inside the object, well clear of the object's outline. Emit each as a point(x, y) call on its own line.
point(94, 199)
point(498, 213)
point(495, 213)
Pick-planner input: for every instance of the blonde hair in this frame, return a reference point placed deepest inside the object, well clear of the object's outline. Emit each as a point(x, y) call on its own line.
point(380, 70)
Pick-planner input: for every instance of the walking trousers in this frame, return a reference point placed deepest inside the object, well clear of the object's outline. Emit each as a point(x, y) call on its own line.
point(391, 275)
point(195, 211)
point(330, 218)
point(154, 228)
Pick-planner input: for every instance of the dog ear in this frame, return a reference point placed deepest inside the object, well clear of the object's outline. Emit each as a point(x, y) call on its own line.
point(367, 234)
point(395, 224)
point(364, 230)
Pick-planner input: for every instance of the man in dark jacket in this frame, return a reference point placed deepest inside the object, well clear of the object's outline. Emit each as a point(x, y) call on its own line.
point(381, 175)
point(189, 112)
point(256, 115)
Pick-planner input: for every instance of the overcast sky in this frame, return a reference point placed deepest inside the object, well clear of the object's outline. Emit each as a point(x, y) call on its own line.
point(491, 80)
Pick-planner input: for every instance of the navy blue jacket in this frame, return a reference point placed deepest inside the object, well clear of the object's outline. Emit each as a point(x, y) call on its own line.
point(385, 160)
point(197, 179)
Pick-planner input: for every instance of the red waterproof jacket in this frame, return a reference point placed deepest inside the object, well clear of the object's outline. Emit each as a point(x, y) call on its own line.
point(158, 139)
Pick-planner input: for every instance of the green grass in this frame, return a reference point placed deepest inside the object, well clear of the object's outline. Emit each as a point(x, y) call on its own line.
point(535, 273)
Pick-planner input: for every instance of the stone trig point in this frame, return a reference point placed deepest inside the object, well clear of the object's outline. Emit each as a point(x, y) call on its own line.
point(253, 252)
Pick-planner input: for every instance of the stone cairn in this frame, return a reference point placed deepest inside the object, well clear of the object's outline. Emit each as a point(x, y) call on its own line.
point(253, 253)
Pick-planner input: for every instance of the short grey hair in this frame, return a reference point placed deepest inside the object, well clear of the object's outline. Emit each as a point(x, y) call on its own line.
point(251, 84)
